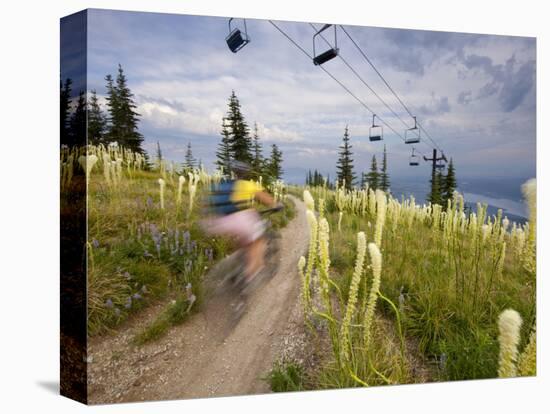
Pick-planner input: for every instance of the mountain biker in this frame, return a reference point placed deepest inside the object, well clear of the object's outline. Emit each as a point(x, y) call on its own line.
point(231, 202)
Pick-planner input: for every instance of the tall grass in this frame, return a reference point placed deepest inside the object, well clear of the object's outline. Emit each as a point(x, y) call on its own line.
point(451, 273)
point(145, 243)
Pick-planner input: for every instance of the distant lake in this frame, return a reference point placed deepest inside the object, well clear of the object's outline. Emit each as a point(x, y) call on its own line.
point(497, 193)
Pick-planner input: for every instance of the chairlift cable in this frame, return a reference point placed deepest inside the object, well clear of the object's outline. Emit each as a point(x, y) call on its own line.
point(374, 92)
point(339, 82)
point(363, 81)
point(388, 85)
point(336, 80)
point(430, 138)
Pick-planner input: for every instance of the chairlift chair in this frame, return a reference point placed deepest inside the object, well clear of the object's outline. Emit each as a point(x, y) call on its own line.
point(236, 39)
point(414, 159)
point(412, 135)
point(375, 132)
point(328, 54)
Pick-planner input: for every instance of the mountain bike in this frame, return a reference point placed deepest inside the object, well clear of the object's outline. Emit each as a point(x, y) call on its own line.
point(234, 282)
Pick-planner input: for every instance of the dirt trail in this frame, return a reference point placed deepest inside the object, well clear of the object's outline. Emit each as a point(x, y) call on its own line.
point(201, 358)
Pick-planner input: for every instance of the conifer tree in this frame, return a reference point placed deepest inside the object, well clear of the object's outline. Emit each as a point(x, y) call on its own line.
point(344, 165)
point(65, 107)
point(241, 145)
point(384, 177)
point(78, 121)
point(449, 183)
point(274, 164)
point(373, 177)
point(223, 154)
point(257, 160)
point(363, 180)
point(435, 188)
point(112, 108)
point(190, 161)
point(97, 122)
point(123, 118)
point(159, 156)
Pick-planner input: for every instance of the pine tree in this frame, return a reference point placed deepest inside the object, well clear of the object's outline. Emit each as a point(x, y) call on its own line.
point(435, 188)
point(223, 153)
point(373, 177)
point(274, 167)
point(97, 123)
point(190, 161)
point(384, 177)
point(363, 180)
point(77, 123)
point(65, 108)
point(257, 160)
point(449, 183)
point(123, 117)
point(159, 156)
point(112, 108)
point(241, 145)
point(345, 162)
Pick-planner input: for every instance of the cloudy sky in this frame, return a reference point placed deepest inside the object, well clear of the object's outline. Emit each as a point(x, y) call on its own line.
point(474, 94)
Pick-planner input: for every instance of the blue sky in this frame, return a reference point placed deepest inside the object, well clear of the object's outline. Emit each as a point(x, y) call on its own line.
point(475, 94)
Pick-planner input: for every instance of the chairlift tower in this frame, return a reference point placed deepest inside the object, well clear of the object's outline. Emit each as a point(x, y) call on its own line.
point(436, 161)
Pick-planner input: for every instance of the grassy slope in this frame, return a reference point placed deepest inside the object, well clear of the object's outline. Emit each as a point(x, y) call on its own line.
point(139, 253)
point(462, 327)
point(449, 302)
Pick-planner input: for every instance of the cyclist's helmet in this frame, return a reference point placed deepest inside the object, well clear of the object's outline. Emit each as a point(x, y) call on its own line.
point(240, 169)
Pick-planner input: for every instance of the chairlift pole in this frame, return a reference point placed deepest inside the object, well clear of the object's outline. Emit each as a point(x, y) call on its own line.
point(435, 159)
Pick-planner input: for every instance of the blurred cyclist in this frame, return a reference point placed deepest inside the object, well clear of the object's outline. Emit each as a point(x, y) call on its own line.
point(232, 203)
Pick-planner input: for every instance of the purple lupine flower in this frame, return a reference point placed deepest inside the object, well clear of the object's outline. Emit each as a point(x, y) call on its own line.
point(193, 245)
point(109, 303)
point(186, 237)
point(149, 202)
point(95, 243)
point(136, 296)
point(128, 303)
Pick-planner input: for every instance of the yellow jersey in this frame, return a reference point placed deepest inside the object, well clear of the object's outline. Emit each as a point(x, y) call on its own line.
point(244, 191)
